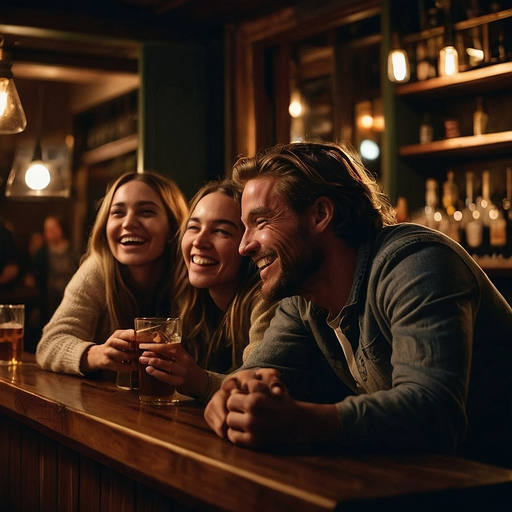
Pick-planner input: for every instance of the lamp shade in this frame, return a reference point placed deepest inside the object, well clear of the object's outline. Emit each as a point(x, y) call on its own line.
point(46, 177)
point(12, 115)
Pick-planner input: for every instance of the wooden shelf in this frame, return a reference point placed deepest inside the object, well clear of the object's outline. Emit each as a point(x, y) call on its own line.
point(110, 150)
point(474, 145)
point(475, 81)
point(495, 266)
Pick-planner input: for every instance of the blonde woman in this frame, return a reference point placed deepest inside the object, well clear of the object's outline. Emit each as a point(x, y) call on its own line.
point(224, 315)
point(129, 270)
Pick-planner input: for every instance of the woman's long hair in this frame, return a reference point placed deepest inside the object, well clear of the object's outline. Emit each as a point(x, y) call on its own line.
point(204, 335)
point(121, 301)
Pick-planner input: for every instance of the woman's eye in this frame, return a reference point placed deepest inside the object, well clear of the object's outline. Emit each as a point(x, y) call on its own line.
point(192, 228)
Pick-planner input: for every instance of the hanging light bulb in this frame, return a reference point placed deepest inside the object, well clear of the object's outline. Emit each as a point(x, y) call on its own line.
point(448, 61)
point(398, 62)
point(33, 176)
point(12, 115)
point(398, 66)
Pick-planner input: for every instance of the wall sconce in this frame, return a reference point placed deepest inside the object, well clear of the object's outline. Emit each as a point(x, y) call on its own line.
point(398, 63)
point(34, 176)
point(12, 116)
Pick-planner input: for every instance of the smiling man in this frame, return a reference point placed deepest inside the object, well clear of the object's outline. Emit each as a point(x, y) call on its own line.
point(389, 336)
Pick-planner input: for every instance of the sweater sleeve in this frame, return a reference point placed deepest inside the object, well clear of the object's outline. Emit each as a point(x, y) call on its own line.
point(261, 315)
point(80, 321)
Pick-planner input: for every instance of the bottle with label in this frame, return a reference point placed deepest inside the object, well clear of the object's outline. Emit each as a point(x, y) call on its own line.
point(472, 226)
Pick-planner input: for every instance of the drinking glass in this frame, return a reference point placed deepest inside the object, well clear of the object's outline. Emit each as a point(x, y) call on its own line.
point(156, 330)
point(12, 326)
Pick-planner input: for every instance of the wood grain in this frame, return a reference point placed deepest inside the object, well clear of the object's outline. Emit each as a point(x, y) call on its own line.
point(98, 428)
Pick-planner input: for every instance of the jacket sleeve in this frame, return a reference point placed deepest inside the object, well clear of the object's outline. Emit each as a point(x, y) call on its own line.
point(80, 320)
point(422, 301)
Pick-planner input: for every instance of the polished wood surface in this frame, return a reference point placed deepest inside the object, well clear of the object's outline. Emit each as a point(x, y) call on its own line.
point(172, 450)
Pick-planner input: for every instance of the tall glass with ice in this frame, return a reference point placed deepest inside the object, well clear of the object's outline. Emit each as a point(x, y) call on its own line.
point(156, 330)
point(12, 325)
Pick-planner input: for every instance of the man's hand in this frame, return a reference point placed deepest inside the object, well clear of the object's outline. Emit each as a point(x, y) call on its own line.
point(253, 409)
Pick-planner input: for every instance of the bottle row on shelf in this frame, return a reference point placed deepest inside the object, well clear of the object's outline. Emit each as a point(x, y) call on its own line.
point(478, 36)
point(481, 224)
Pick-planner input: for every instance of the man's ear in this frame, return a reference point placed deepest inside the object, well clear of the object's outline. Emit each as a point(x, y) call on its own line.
point(322, 211)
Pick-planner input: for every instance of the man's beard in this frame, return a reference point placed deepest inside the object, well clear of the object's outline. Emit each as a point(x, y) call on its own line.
point(297, 266)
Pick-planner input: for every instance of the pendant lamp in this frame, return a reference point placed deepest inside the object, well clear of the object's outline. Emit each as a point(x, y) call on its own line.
point(12, 116)
point(40, 173)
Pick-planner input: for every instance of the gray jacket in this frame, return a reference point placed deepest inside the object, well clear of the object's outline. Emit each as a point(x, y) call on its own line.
point(422, 316)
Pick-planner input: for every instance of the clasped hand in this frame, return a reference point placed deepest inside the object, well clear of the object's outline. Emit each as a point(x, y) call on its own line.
point(253, 409)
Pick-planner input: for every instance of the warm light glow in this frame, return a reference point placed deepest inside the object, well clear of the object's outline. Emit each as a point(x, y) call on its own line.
point(3, 101)
point(12, 116)
point(475, 56)
point(398, 66)
point(295, 108)
point(366, 121)
point(448, 61)
point(37, 176)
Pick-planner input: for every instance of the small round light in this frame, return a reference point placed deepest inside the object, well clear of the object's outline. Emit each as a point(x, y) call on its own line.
point(369, 150)
point(37, 176)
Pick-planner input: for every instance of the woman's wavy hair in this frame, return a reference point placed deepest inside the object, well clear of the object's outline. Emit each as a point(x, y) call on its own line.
point(308, 170)
point(121, 302)
point(203, 335)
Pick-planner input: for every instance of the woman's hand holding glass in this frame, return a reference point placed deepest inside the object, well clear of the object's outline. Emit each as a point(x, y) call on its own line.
point(118, 354)
point(171, 363)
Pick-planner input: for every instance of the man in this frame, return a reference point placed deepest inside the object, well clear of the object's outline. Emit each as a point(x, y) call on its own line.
point(383, 324)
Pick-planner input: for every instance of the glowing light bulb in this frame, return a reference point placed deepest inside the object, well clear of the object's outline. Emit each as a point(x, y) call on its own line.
point(37, 176)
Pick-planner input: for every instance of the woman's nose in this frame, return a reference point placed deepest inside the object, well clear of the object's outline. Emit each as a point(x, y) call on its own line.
point(130, 219)
point(201, 240)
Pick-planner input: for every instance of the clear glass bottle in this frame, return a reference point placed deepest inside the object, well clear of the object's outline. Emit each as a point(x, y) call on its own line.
point(473, 228)
point(450, 223)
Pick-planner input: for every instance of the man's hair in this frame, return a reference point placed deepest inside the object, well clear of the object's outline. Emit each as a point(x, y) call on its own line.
point(305, 171)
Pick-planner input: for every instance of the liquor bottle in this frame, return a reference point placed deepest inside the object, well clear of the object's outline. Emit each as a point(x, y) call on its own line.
point(426, 130)
point(480, 118)
point(507, 212)
point(450, 223)
point(497, 225)
point(485, 207)
point(430, 215)
point(472, 225)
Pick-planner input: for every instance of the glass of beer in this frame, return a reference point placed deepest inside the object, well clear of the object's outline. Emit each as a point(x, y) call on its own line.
point(156, 330)
point(12, 324)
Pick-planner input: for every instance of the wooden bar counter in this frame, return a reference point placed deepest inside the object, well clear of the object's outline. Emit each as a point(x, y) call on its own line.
point(82, 445)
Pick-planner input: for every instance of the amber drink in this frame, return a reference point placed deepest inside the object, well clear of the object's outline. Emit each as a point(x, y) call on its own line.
point(153, 391)
point(12, 322)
